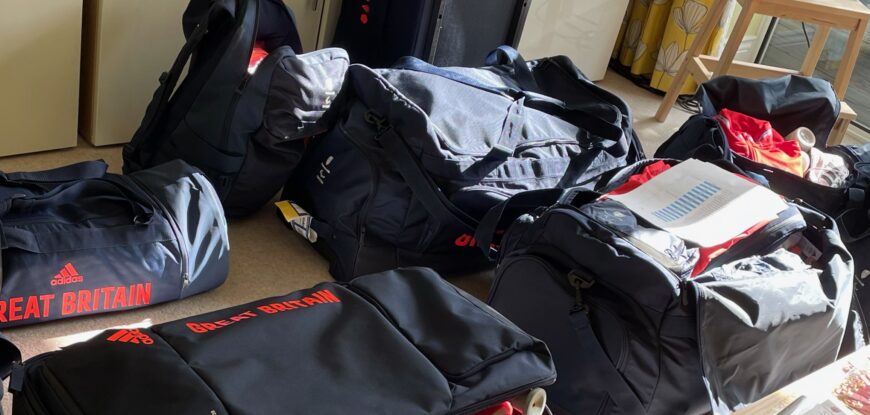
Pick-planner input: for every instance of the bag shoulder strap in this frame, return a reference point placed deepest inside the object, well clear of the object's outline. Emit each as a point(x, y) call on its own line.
point(84, 170)
point(421, 183)
point(505, 213)
point(168, 81)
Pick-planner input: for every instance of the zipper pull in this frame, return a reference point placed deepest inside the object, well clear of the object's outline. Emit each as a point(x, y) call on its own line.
point(579, 283)
point(684, 293)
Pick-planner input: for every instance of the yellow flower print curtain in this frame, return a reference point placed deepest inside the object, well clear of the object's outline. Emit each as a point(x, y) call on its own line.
point(656, 35)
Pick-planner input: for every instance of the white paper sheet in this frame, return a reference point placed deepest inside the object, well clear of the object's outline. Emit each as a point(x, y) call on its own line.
point(702, 203)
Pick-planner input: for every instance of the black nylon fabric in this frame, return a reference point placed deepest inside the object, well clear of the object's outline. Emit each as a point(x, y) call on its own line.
point(417, 156)
point(400, 342)
point(211, 117)
point(664, 343)
point(101, 242)
point(788, 103)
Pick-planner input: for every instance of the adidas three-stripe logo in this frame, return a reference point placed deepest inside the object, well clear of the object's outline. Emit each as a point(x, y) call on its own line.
point(67, 275)
point(130, 336)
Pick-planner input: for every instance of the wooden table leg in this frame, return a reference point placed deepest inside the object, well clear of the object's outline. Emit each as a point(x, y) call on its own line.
point(700, 41)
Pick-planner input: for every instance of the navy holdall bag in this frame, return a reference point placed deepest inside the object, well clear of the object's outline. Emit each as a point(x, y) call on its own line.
point(400, 342)
point(788, 103)
point(77, 240)
point(632, 332)
point(418, 154)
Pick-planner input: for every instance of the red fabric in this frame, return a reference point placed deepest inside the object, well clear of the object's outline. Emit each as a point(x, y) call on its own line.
point(706, 255)
point(257, 56)
point(635, 181)
point(757, 140)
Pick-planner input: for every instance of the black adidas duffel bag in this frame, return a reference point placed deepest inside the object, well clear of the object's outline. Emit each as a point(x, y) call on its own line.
point(632, 332)
point(77, 240)
point(401, 342)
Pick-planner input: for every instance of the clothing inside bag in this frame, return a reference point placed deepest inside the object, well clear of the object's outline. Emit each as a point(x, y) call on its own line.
point(757, 140)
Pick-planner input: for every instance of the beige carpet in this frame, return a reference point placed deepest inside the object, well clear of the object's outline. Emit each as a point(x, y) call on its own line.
point(266, 259)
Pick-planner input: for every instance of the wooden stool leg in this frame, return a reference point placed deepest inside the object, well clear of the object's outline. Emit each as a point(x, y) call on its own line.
point(734, 41)
point(838, 133)
point(819, 39)
point(698, 44)
point(850, 57)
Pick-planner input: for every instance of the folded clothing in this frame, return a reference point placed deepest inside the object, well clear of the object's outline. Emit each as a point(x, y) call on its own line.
point(827, 169)
point(758, 141)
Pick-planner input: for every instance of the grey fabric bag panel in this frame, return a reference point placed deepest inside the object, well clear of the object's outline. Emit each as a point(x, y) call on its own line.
point(298, 90)
point(417, 155)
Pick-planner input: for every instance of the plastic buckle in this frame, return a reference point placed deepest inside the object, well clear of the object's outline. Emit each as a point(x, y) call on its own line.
point(163, 77)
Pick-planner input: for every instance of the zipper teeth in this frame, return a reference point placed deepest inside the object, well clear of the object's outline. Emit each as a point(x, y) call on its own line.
point(179, 236)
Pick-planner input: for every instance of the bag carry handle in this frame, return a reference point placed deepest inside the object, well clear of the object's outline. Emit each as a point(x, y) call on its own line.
point(505, 213)
point(410, 63)
point(84, 170)
point(506, 55)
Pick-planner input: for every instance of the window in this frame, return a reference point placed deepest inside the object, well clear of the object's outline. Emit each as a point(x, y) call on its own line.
point(788, 43)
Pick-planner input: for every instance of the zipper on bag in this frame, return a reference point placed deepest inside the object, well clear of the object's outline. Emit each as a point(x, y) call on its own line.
point(176, 229)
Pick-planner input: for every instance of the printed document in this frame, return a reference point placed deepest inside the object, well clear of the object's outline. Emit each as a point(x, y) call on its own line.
point(702, 203)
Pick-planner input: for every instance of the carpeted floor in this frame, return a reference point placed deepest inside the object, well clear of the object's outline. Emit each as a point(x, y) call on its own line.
point(266, 259)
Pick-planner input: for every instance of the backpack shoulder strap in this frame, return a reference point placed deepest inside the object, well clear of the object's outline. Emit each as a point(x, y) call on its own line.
point(168, 81)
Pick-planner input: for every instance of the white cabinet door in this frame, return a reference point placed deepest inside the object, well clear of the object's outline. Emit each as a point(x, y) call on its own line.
point(40, 45)
point(583, 30)
point(309, 14)
point(129, 43)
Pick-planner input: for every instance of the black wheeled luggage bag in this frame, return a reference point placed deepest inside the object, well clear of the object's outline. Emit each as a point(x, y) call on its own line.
point(635, 328)
point(401, 342)
point(377, 33)
point(77, 240)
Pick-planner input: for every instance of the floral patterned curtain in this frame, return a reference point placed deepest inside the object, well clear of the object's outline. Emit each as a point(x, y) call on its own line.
point(656, 35)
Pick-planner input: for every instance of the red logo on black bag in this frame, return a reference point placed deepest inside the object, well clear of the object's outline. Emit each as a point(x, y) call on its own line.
point(465, 241)
point(130, 336)
point(67, 275)
point(366, 10)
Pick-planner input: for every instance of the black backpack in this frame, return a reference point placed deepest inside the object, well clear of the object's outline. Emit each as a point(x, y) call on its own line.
point(218, 117)
point(418, 154)
point(78, 241)
point(403, 342)
point(788, 103)
point(631, 333)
